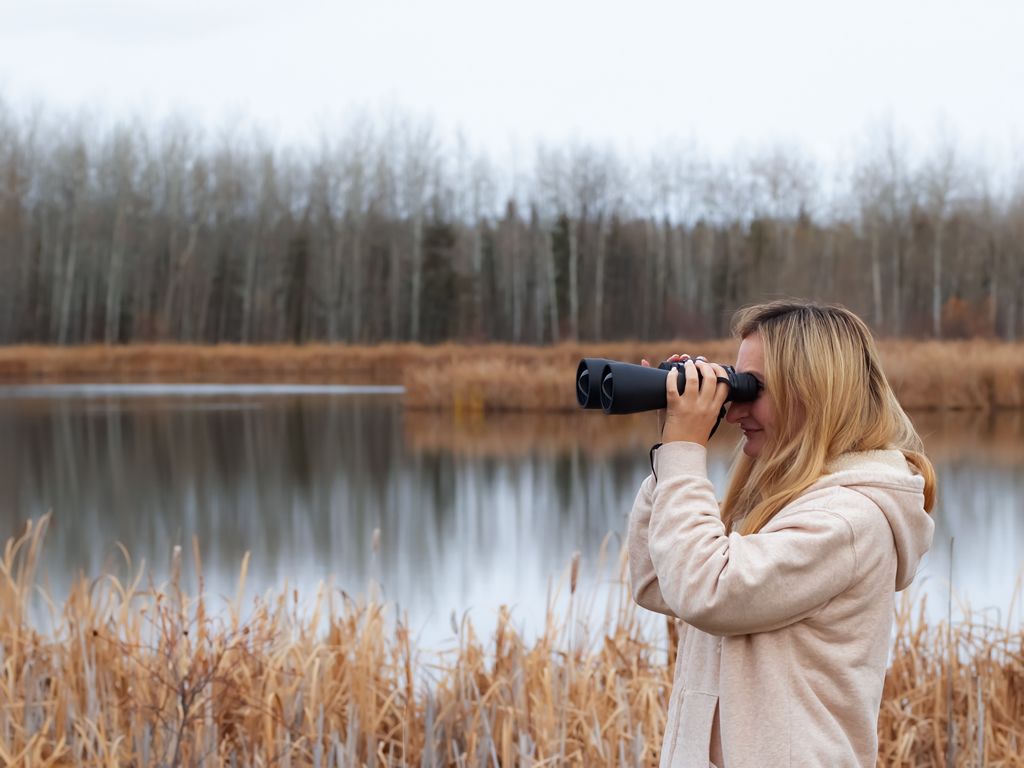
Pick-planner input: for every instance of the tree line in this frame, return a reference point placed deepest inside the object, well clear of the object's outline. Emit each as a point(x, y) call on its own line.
point(390, 231)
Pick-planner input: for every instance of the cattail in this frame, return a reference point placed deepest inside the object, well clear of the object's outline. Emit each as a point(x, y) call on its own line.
point(176, 566)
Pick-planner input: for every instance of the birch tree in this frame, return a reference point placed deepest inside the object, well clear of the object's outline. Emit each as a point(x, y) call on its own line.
point(937, 185)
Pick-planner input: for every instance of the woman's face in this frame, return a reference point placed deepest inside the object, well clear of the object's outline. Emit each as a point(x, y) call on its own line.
point(756, 419)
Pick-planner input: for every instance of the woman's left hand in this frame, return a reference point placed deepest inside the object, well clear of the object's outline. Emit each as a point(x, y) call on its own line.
point(692, 415)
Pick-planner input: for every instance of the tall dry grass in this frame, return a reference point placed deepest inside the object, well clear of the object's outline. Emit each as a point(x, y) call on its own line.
point(133, 674)
point(501, 377)
point(217, 363)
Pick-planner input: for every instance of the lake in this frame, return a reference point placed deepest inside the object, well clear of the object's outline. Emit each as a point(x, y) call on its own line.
point(443, 513)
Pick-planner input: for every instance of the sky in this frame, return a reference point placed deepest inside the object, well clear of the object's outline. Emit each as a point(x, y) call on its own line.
point(729, 76)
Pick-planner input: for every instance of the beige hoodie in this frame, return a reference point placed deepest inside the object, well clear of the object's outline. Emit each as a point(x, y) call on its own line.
point(786, 632)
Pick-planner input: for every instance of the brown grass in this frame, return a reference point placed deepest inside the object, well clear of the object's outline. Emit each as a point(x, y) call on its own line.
point(498, 377)
point(133, 675)
point(314, 363)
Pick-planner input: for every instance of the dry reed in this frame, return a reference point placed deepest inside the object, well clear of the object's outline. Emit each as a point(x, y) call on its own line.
point(501, 377)
point(133, 675)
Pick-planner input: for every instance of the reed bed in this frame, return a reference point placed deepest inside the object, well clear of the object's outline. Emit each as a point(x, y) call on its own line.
point(501, 377)
point(134, 675)
point(241, 363)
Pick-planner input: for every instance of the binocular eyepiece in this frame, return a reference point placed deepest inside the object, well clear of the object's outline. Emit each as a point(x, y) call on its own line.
point(619, 387)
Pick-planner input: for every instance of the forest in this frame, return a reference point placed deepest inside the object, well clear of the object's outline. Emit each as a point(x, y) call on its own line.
point(390, 230)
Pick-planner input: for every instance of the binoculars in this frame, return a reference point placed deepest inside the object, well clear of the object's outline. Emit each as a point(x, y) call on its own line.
point(620, 387)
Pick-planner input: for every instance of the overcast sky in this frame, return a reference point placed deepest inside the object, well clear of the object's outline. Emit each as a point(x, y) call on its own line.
point(730, 74)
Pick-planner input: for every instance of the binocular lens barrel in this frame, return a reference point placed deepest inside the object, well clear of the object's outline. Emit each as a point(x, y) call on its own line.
point(618, 387)
point(588, 381)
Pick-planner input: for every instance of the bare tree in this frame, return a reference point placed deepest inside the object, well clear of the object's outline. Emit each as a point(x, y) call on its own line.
point(938, 186)
point(418, 158)
point(69, 245)
point(128, 235)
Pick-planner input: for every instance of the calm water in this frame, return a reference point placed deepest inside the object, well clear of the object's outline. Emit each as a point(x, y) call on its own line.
point(471, 514)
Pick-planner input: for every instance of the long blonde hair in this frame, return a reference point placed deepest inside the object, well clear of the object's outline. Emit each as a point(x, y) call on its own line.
point(831, 397)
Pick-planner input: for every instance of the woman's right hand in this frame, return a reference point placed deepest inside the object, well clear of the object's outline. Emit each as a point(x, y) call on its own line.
point(661, 413)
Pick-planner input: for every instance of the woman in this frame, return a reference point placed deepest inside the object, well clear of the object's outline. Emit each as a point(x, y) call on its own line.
point(785, 590)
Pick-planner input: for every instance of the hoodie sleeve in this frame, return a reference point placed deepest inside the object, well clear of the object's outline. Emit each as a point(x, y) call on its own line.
point(643, 580)
point(728, 584)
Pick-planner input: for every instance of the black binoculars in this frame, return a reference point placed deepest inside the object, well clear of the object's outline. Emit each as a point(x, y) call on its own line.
point(628, 388)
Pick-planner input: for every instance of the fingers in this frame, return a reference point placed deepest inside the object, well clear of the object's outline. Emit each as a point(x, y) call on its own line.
point(719, 370)
point(707, 388)
point(720, 391)
point(692, 382)
point(698, 386)
point(672, 386)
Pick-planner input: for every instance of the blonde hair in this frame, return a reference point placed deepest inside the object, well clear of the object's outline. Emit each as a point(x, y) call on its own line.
point(831, 396)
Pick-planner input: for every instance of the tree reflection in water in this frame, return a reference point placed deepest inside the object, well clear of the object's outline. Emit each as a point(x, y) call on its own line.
point(473, 512)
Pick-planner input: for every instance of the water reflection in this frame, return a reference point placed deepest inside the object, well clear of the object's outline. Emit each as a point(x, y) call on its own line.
point(473, 513)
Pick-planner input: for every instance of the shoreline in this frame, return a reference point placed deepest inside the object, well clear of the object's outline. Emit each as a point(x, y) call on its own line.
point(927, 375)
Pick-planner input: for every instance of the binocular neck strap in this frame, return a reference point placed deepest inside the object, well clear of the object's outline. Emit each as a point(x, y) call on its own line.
point(721, 415)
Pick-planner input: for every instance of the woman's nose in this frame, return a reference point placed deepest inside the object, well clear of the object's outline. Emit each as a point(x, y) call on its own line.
point(736, 412)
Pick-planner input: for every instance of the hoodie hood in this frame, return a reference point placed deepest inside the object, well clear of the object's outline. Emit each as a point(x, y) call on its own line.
point(895, 486)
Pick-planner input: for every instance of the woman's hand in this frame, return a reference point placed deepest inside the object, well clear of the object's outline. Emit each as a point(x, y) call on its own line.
point(661, 412)
point(691, 416)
